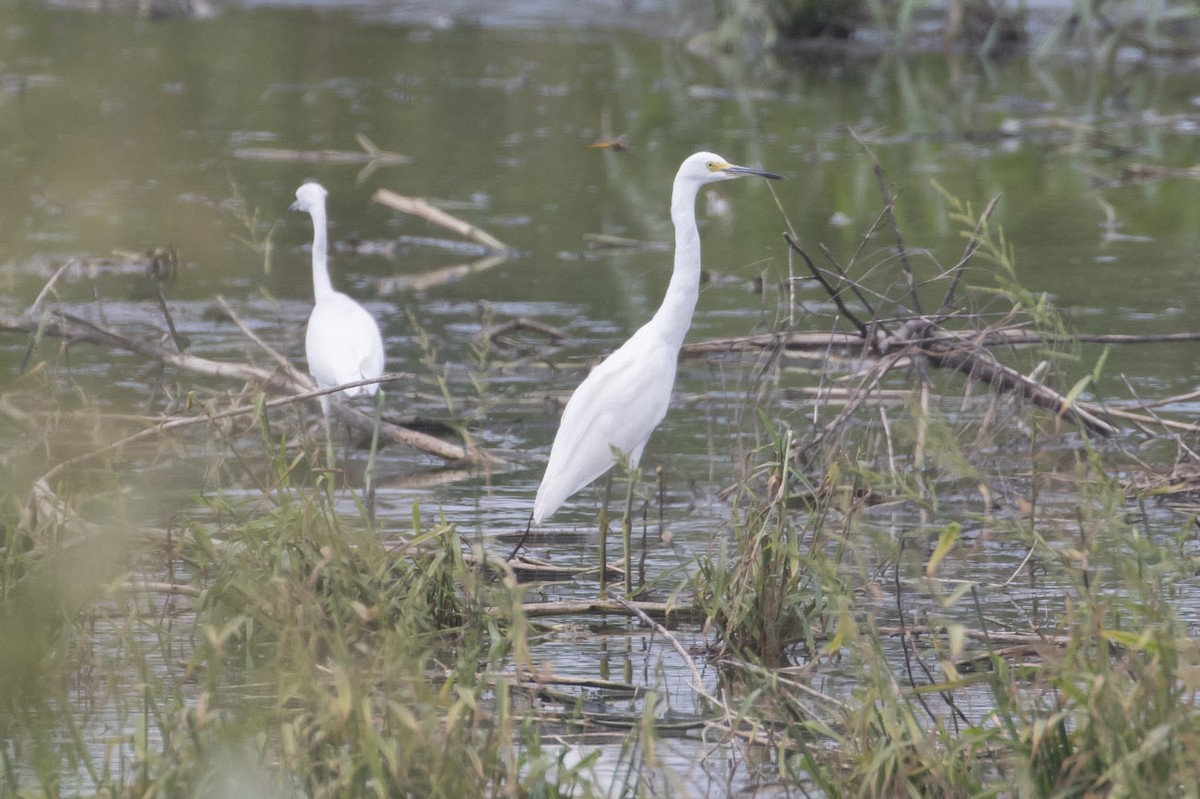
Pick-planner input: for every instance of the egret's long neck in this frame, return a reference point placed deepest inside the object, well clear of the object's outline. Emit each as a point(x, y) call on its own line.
point(674, 316)
point(322, 286)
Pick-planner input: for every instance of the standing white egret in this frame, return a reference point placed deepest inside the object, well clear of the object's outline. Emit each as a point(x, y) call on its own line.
point(343, 344)
point(618, 405)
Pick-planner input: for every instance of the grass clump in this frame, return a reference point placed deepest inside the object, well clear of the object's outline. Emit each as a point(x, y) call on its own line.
point(762, 598)
point(324, 659)
point(1097, 697)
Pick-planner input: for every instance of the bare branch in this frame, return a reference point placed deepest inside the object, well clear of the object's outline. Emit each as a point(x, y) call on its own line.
point(888, 206)
point(74, 329)
point(834, 294)
point(956, 271)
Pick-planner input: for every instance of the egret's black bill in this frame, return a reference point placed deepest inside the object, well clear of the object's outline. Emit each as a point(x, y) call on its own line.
point(745, 170)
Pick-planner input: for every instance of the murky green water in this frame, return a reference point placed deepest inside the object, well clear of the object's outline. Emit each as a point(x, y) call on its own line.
point(120, 133)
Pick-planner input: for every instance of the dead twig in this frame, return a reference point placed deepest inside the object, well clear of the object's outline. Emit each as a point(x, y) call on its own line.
point(957, 270)
point(165, 424)
point(889, 203)
point(151, 587)
point(834, 294)
point(275, 354)
point(697, 680)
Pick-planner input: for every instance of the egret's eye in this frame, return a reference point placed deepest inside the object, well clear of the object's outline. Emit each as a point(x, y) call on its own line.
point(712, 166)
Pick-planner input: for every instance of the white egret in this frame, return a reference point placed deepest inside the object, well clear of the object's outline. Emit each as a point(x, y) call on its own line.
point(343, 344)
point(618, 405)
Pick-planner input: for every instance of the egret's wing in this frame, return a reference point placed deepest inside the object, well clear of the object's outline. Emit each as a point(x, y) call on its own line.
point(343, 344)
point(617, 406)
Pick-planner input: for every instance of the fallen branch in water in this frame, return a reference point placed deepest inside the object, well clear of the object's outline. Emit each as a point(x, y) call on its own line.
point(1153, 172)
point(431, 213)
point(294, 385)
point(925, 339)
point(995, 636)
point(151, 587)
point(670, 611)
point(371, 155)
point(815, 343)
point(947, 350)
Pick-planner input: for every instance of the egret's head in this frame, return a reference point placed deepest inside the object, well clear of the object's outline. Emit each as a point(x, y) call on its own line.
point(309, 196)
point(710, 168)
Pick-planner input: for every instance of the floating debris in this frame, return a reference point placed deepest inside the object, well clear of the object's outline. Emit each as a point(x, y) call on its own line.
point(1152, 172)
point(618, 144)
point(371, 155)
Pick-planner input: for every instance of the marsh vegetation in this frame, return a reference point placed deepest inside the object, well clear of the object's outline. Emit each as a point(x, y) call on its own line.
point(921, 520)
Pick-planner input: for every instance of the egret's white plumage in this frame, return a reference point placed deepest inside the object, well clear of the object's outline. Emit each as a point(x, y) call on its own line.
point(342, 344)
point(620, 403)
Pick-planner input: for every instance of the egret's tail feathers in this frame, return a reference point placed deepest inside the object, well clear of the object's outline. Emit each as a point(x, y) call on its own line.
point(545, 503)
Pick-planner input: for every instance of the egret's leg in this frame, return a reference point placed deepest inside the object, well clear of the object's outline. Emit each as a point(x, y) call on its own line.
point(328, 432)
point(604, 535)
point(524, 537)
point(369, 477)
point(627, 532)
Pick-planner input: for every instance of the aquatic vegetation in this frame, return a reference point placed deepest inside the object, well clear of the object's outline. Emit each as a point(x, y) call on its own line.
point(262, 633)
point(1096, 28)
point(320, 661)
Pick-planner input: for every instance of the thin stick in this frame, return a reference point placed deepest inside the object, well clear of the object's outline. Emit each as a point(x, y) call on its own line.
point(1171, 433)
point(904, 643)
point(522, 323)
point(957, 270)
point(604, 536)
point(277, 356)
point(834, 294)
point(36, 307)
point(150, 587)
point(521, 543)
point(369, 476)
point(162, 304)
point(845, 279)
point(889, 206)
point(816, 341)
point(371, 154)
point(697, 680)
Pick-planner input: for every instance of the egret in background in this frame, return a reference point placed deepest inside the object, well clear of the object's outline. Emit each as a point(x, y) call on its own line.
point(615, 409)
point(343, 344)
